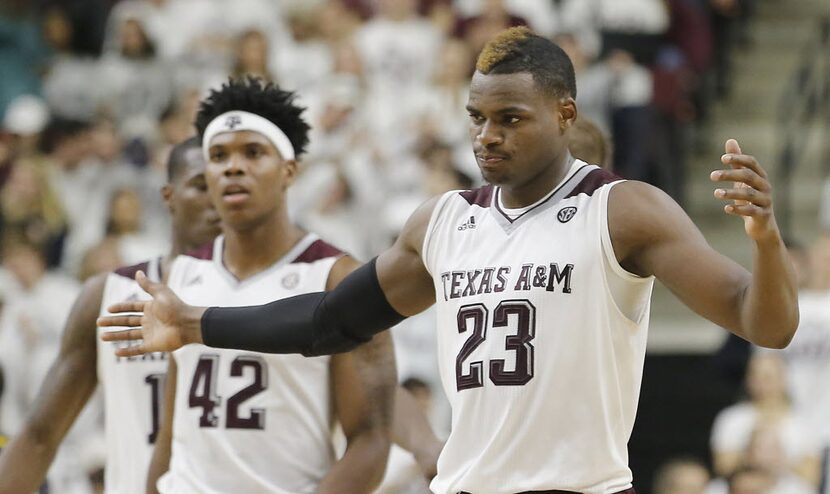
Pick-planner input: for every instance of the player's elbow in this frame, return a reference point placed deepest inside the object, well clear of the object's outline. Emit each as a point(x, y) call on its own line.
point(779, 336)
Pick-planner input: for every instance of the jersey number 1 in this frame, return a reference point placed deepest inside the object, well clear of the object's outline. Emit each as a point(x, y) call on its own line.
point(203, 392)
point(473, 319)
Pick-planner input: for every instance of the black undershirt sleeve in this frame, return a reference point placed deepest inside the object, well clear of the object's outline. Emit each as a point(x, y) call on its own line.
point(320, 323)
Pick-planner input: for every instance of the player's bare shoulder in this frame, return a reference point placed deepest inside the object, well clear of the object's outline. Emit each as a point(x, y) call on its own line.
point(415, 230)
point(640, 214)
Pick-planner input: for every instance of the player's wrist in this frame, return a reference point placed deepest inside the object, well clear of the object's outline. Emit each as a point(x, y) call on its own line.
point(192, 327)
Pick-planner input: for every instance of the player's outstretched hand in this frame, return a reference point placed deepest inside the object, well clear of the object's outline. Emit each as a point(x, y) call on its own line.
point(751, 193)
point(163, 324)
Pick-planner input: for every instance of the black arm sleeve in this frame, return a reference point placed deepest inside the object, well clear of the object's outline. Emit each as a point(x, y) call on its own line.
point(312, 324)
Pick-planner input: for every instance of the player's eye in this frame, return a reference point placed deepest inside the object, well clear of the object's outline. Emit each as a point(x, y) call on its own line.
point(476, 118)
point(253, 152)
point(512, 119)
point(218, 155)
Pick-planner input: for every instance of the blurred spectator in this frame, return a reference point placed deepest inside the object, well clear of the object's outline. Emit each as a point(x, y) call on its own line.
point(135, 86)
point(808, 355)
point(766, 452)
point(768, 405)
point(615, 93)
point(31, 211)
point(588, 143)
point(307, 59)
point(398, 47)
point(25, 119)
point(492, 18)
point(30, 325)
point(681, 476)
point(635, 26)
point(66, 85)
point(441, 108)
point(747, 480)
point(22, 52)
point(125, 227)
point(252, 56)
point(84, 184)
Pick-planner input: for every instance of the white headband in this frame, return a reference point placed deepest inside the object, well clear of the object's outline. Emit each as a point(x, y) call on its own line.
point(234, 121)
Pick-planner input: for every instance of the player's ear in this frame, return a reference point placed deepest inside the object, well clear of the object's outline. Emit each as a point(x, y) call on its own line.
point(289, 170)
point(167, 196)
point(567, 114)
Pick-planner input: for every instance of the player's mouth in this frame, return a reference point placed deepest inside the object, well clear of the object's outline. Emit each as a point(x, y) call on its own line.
point(235, 194)
point(489, 160)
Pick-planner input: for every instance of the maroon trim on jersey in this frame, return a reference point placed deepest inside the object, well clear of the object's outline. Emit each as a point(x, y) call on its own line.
point(130, 271)
point(316, 251)
point(483, 196)
point(204, 252)
point(590, 184)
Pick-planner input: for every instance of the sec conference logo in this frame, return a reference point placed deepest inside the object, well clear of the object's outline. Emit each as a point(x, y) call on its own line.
point(565, 214)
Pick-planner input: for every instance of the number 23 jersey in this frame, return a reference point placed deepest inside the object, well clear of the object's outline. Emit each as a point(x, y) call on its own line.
point(541, 340)
point(247, 421)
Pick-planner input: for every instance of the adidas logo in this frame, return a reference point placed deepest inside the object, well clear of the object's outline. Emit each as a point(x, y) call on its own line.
point(470, 224)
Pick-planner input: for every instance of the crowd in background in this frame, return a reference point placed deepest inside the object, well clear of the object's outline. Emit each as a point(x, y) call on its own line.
point(94, 93)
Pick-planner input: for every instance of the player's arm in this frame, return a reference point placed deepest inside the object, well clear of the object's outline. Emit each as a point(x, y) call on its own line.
point(411, 431)
point(160, 462)
point(371, 299)
point(65, 390)
point(364, 382)
point(652, 235)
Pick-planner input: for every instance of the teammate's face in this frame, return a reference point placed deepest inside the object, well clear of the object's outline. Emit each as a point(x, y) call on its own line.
point(247, 178)
point(517, 129)
point(187, 197)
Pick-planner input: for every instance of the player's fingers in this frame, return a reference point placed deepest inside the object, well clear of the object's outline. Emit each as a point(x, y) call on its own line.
point(732, 147)
point(742, 175)
point(148, 286)
point(122, 307)
point(127, 321)
point(745, 194)
point(131, 351)
point(125, 335)
point(746, 210)
point(744, 161)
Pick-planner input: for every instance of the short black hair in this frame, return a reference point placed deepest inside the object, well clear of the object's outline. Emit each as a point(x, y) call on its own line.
point(60, 129)
point(518, 49)
point(265, 99)
point(177, 161)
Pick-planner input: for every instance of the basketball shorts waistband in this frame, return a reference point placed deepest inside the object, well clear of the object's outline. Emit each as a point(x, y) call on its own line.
point(627, 491)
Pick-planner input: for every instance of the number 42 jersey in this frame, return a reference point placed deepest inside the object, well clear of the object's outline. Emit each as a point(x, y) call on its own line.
point(247, 421)
point(541, 340)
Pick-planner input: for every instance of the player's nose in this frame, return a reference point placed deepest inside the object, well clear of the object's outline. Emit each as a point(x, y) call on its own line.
point(489, 134)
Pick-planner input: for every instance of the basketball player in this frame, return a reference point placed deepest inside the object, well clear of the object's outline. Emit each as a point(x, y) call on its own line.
point(133, 386)
point(238, 421)
point(542, 281)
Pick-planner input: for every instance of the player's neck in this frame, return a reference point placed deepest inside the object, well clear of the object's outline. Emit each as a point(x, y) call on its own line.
point(251, 250)
point(532, 190)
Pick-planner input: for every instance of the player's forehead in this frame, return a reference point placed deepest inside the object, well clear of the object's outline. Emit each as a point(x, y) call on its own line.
point(497, 92)
point(191, 166)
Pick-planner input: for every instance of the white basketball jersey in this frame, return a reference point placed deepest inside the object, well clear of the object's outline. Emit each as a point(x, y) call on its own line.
point(541, 340)
point(246, 421)
point(133, 389)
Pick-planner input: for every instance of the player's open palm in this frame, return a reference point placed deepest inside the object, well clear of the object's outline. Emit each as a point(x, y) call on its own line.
point(751, 193)
point(159, 323)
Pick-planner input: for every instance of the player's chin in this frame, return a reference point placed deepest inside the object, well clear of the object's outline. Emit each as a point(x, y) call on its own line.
point(494, 177)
